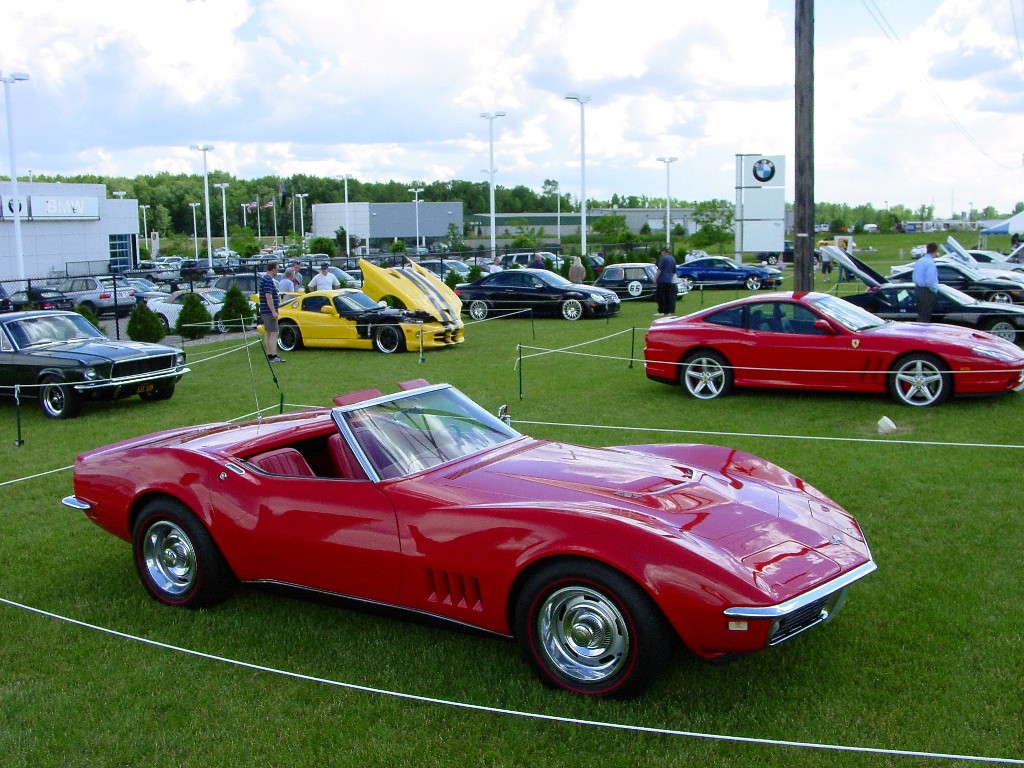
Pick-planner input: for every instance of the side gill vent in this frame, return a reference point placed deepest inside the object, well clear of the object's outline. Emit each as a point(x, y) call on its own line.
point(453, 589)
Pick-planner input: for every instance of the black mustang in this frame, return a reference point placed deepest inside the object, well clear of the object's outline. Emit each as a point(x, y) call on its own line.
point(62, 359)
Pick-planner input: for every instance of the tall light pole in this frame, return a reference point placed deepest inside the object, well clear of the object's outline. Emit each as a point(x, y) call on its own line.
point(204, 148)
point(119, 195)
point(348, 234)
point(223, 187)
point(582, 99)
point(195, 228)
point(416, 203)
point(668, 198)
point(301, 197)
point(145, 229)
point(490, 118)
point(14, 77)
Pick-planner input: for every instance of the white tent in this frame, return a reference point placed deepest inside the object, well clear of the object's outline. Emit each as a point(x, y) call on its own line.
point(1014, 224)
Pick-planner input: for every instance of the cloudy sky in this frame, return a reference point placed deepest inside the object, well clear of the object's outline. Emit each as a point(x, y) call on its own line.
point(915, 101)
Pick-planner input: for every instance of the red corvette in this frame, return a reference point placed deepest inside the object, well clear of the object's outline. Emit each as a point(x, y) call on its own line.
point(597, 560)
point(818, 341)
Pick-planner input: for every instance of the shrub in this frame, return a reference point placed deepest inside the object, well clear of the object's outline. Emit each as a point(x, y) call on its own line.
point(452, 279)
point(194, 320)
point(145, 325)
point(237, 313)
point(475, 273)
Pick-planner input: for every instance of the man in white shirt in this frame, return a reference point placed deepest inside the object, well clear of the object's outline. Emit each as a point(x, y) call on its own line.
point(324, 280)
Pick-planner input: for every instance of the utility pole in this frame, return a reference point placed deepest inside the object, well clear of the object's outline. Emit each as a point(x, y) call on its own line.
point(803, 214)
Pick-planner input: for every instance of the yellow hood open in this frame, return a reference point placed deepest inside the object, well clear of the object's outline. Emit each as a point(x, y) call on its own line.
point(415, 287)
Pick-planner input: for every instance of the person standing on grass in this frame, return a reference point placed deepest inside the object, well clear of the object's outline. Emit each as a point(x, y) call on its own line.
point(926, 283)
point(664, 284)
point(270, 301)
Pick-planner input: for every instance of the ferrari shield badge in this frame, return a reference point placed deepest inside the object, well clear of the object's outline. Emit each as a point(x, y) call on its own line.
point(856, 343)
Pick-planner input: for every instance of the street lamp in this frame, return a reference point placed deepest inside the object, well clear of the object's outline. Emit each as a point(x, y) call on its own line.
point(119, 195)
point(223, 187)
point(668, 197)
point(145, 229)
point(204, 148)
point(301, 197)
point(582, 99)
point(490, 118)
point(348, 233)
point(195, 228)
point(416, 203)
point(16, 200)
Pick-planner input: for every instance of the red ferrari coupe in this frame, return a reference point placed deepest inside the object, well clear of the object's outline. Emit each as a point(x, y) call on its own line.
point(819, 341)
point(597, 560)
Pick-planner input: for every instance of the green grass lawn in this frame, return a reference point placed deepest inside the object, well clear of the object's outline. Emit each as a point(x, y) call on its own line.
point(927, 655)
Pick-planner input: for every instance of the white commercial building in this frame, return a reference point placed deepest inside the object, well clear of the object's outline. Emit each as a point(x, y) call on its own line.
point(66, 229)
point(381, 223)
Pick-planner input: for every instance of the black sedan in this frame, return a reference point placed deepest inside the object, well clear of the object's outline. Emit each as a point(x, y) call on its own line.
point(720, 272)
point(36, 298)
point(62, 359)
point(535, 290)
point(1006, 289)
point(632, 280)
point(895, 301)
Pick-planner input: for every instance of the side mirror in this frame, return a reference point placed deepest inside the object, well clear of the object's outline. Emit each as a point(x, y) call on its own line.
point(327, 309)
point(823, 325)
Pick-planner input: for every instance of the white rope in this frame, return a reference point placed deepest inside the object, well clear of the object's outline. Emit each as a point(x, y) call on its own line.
point(508, 712)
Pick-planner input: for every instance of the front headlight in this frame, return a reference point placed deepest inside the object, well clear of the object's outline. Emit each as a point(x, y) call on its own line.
point(993, 354)
point(91, 374)
point(179, 359)
point(599, 298)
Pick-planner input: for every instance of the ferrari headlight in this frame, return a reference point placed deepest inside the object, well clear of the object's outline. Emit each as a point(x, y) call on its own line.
point(993, 354)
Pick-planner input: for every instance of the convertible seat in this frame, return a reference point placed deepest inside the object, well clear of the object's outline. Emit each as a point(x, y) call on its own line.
point(343, 460)
point(283, 461)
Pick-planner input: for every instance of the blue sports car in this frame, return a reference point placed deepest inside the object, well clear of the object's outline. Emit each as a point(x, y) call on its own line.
point(720, 272)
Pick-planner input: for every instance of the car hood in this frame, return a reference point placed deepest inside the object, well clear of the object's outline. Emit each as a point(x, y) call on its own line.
point(854, 266)
point(92, 351)
point(731, 506)
point(417, 288)
point(930, 334)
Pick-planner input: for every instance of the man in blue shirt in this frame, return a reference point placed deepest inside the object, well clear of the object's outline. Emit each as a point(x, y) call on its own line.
point(664, 284)
point(926, 283)
point(270, 300)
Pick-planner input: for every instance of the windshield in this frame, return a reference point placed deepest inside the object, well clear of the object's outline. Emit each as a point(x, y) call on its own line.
point(846, 314)
point(51, 329)
point(414, 432)
point(354, 301)
point(555, 281)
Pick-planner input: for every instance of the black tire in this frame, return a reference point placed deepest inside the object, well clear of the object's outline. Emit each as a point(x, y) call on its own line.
point(161, 392)
point(572, 309)
point(920, 380)
point(167, 325)
point(58, 400)
point(388, 339)
point(588, 629)
point(706, 375)
point(1002, 328)
point(176, 558)
point(289, 337)
point(478, 309)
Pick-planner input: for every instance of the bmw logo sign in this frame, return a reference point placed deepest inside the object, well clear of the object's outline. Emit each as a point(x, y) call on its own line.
point(764, 170)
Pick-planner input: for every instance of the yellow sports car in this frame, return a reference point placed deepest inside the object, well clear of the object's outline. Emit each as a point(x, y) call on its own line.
point(350, 319)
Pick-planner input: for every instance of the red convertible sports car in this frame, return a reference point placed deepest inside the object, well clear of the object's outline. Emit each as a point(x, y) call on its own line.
point(819, 341)
point(597, 560)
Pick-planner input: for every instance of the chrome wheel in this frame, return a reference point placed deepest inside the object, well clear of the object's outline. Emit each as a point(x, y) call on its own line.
point(169, 558)
point(1003, 329)
point(687, 283)
point(1000, 297)
point(388, 339)
point(478, 309)
point(753, 283)
point(920, 380)
point(706, 376)
point(58, 400)
point(572, 309)
point(289, 337)
point(583, 634)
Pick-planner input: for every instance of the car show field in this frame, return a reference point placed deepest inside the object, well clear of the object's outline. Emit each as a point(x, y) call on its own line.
point(924, 658)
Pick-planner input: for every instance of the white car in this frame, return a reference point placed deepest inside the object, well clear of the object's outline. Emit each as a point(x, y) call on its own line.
point(996, 260)
point(169, 308)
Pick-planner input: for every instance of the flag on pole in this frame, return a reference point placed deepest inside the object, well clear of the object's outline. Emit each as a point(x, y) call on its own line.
point(268, 204)
point(253, 205)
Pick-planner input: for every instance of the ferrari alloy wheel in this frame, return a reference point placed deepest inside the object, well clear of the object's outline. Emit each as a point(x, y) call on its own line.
point(572, 309)
point(687, 283)
point(289, 337)
point(588, 629)
point(635, 288)
point(388, 339)
point(478, 309)
point(753, 283)
point(57, 399)
point(920, 380)
point(1000, 297)
point(1003, 329)
point(176, 557)
point(706, 375)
